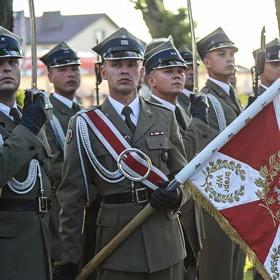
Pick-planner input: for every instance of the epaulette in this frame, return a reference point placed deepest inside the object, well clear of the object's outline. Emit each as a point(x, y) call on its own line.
point(157, 104)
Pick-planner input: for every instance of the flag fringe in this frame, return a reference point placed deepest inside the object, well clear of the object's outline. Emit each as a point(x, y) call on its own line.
point(224, 224)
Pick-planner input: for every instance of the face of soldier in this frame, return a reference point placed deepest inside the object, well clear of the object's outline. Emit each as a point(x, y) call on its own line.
point(189, 78)
point(65, 79)
point(167, 83)
point(220, 63)
point(9, 76)
point(123, 76)
point(271, 73)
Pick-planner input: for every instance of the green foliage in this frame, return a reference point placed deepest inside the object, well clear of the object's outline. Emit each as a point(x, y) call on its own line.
point(162, 23)
point(243, 99)
point(20, 97)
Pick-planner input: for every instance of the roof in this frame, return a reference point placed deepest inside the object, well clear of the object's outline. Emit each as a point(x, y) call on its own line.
point(52, 27)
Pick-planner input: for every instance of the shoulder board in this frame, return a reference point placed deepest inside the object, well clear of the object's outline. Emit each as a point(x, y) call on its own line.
point(89, 109)
point(157, 104)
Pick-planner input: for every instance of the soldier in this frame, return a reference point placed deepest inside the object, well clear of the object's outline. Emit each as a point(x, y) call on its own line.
point(272, 65)
point(184, 99)
point(63, 71)
point(221, 258)
point(165, 72)
point(24, 184)
point(156, 249)
point(144, 90)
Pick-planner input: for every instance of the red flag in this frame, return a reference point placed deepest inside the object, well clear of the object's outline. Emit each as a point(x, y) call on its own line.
point(240, 185)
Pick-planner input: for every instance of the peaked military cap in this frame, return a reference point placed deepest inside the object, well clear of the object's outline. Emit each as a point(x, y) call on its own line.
point(9, 44)
point(60, 55)
point(187, 55)
point(163, 56)
point(273, 50)
point(213, 41)
point(120, 45)
point(154, 43)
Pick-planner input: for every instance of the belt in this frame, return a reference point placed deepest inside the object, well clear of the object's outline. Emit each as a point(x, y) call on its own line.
point(137, 196)
point(40, 204)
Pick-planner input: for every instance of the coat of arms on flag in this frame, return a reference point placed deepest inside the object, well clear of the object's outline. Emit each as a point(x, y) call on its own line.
point(240, 184)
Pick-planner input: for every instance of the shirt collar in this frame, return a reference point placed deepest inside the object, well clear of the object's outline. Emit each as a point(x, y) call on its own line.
point(6, 109)
point(167, 104)
point(134, 105)
point(187, 92)
point(224, 86)
point(64, 100)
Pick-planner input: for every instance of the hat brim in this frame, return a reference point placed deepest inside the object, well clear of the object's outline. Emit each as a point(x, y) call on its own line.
point(223, 46)
point(10, 53)
point(170, 64)
point(119, 55)
point(65, 64)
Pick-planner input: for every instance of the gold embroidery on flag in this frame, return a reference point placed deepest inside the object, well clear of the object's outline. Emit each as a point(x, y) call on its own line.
point(215, 182)
point(227, 228)
point(269, 192)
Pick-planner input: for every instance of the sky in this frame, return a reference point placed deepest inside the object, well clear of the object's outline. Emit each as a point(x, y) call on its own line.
point(242, 20)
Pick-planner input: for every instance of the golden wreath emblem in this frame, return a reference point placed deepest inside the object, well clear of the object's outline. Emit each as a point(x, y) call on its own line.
point(224, 181)
point(269, 187)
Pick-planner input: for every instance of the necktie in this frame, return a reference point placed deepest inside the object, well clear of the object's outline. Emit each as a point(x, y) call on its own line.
point(232, 94)
point(75, 107)
point(14, 112)
point(180, 119)
point(127, 112)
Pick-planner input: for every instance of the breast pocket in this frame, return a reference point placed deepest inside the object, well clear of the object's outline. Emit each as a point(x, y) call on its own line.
point(158, 147)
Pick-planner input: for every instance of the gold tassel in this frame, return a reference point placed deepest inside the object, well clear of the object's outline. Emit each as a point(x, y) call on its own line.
point(225, 225)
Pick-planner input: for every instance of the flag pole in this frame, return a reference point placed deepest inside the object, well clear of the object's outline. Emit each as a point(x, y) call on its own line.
point(180, 178)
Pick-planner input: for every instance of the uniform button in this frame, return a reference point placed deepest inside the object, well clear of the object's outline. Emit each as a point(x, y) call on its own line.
point(204, 135)
point(32, 148)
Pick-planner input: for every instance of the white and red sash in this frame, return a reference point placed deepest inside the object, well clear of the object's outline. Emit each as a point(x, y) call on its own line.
point(115, 144)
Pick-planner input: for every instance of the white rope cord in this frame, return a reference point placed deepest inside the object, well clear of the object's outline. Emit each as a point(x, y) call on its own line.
point(218, 111)
point(28, 184)
point(105, 174)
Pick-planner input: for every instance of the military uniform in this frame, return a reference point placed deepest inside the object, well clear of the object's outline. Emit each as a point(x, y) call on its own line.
point(221, 258)
point(24, 165)
point(184, 99)
point(194, 132)
point(63, 109)
point(272, 50)
point(191, 219)
point(157, 247)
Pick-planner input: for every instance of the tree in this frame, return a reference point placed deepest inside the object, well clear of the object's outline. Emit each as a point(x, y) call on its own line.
point(277, 6)
point(162, 23)
point(6, 14)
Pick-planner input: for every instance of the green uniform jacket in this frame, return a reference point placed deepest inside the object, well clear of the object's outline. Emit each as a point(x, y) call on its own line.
point(24, 235)
point(158, 243)
point(231, 109)
point(63, 114)
point(196, 135)
point(221, 258)
point(184, 101)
